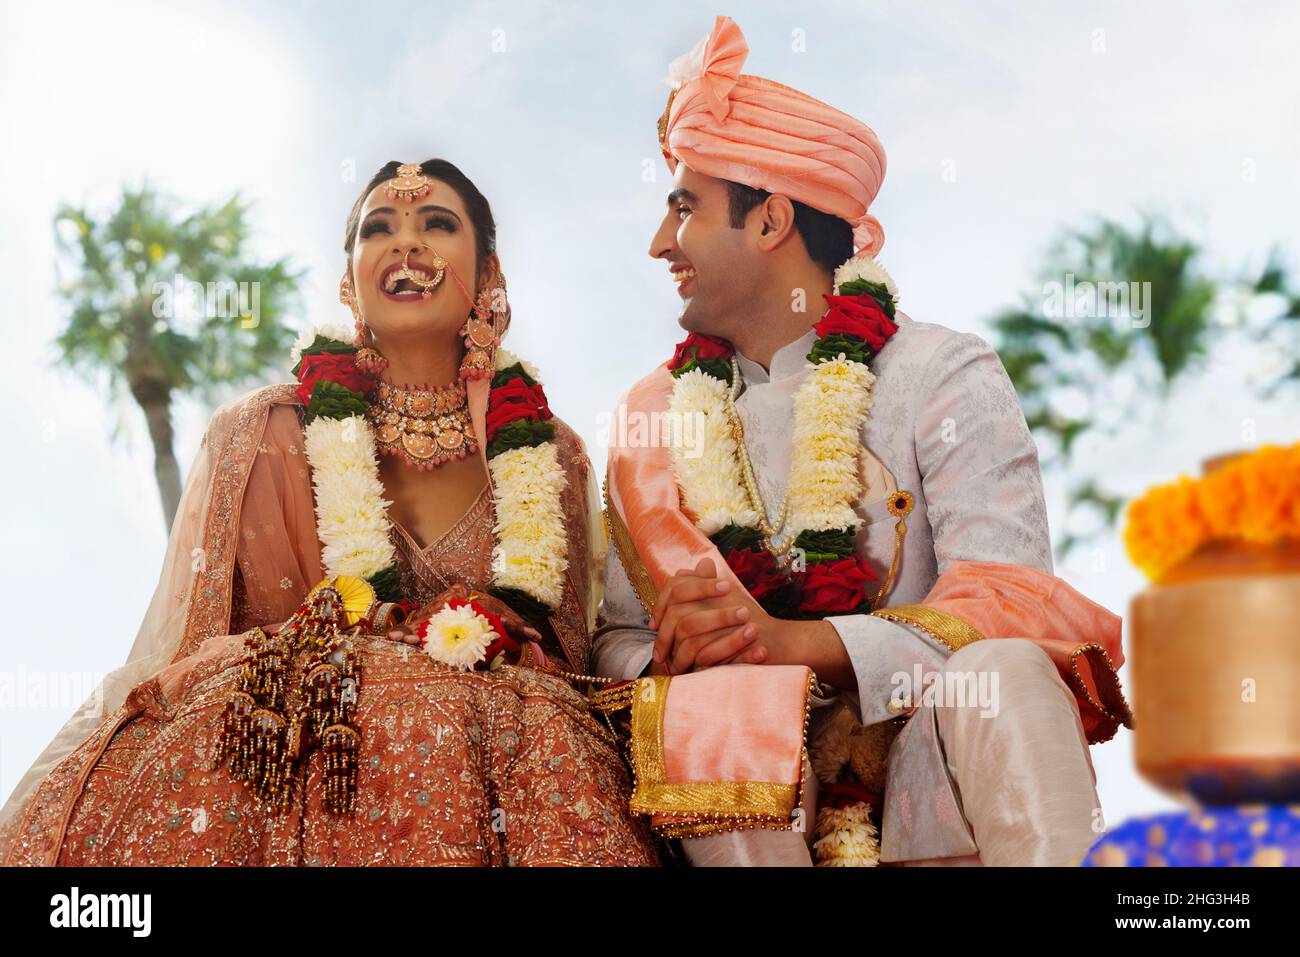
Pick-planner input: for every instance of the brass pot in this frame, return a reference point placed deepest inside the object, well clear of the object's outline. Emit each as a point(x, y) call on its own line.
point(1215, 659)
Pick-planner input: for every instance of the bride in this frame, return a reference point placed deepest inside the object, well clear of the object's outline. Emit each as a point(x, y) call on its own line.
point(377, 586)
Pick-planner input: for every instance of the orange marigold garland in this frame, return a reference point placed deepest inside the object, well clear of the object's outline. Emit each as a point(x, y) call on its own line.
point(1253, 498)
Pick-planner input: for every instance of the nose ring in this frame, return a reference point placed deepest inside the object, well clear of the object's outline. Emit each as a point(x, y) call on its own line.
point(439, 269)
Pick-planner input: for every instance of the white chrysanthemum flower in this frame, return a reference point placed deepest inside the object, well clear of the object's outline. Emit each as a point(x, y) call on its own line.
point(847, 838)
point(459, 637)
point(530, 552)
point(864, 267)
point(830, 410)
point(337, 331)
point(351, 512)
point(708, 470)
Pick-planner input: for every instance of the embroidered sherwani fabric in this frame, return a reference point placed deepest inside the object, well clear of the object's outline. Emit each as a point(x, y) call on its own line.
point(945, 425)
point(507, 767)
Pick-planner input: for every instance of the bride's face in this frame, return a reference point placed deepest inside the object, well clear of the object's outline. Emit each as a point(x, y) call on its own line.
point(390, 228)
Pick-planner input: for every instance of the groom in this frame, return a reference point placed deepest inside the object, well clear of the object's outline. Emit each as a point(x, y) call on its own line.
point(870, 505)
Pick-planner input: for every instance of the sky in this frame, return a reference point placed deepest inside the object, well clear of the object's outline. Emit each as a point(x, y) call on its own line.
point(1003, 123)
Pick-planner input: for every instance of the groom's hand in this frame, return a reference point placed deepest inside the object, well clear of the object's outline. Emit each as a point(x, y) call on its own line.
point(702, 620)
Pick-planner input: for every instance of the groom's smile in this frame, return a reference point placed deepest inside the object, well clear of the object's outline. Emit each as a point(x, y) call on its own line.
point(682, 275)
point(706, 253)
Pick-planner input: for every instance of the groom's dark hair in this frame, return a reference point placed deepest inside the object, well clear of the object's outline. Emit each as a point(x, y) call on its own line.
point(828, 239)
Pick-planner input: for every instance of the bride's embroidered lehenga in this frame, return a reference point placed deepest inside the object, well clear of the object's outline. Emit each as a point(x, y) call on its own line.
point(458, 768)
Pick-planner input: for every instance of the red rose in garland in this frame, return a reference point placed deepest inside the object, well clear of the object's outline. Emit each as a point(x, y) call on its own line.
point(340, 368)
point(513, 401)
point(757, 571)
point(859, 316)
point(833, 587)
point(700, 347)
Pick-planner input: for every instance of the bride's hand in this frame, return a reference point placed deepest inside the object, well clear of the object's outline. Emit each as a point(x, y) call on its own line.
point(408, 630)
point(514, 624)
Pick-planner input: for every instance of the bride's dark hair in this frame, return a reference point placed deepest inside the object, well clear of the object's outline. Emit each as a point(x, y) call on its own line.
point(476, 204)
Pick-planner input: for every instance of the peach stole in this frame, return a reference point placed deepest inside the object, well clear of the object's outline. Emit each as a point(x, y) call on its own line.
point(715, 748)
point(999, 600)
point(696, 774)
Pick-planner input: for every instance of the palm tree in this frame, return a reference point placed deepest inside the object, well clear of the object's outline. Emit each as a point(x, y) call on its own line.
point(1070, 366)
point(164, 304)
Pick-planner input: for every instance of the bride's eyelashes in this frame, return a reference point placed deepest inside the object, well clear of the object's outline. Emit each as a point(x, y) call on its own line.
point(435, 221)
point(440, 221)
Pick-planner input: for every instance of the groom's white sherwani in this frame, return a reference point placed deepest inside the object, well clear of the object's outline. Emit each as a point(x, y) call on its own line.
point(945, 425)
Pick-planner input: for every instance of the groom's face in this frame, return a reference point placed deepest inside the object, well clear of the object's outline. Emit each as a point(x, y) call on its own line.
point(711, 261)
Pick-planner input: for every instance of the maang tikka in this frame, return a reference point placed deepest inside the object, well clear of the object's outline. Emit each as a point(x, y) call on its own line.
point(409, 183)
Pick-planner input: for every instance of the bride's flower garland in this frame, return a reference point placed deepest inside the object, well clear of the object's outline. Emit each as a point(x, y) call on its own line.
point(262, 737)
point(529, 558)
point(830, 409)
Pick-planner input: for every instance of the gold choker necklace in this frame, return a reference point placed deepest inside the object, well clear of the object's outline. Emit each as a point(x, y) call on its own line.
point(426, 427)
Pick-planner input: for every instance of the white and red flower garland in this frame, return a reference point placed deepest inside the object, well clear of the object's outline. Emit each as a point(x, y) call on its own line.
point(830, 408)
point(529, 554)
point(466, 636)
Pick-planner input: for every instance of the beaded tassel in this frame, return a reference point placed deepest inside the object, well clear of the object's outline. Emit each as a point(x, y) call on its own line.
point(236, 727)
point(264, 734)
point(340, 748)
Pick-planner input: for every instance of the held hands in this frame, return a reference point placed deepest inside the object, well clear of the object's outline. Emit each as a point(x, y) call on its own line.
point(704, 620)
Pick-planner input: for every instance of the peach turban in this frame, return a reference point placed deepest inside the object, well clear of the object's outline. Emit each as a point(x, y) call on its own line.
point(746, 129)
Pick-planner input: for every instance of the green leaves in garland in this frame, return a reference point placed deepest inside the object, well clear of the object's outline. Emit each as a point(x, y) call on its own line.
point(387, 583)
point(335, 401)
point(876, 290)
point(825, 546)
point(737, 536)
point(717, 368)
point(518, 415)
point(832, 346)
point(515, 371)
point(522, 433)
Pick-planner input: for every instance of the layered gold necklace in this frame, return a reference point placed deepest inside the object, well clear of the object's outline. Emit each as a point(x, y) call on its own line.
point(424, 427)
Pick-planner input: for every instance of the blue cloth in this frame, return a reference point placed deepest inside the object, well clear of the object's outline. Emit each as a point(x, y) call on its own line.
point(1244, 836)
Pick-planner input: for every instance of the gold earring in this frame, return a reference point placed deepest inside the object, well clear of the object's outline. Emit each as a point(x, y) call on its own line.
point(368, 359)
point(482, 331)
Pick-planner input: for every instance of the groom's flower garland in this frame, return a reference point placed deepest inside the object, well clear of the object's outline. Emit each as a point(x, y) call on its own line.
point(529, 557)
point(830, 409)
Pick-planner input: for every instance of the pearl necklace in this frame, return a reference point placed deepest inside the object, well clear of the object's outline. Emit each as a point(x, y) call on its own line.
point(769, 529)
